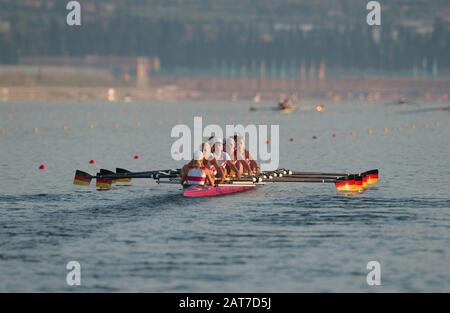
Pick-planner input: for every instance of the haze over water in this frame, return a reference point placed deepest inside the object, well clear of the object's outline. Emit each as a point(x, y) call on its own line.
point(280, 237)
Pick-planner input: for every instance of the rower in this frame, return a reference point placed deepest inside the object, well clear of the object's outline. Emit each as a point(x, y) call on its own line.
point(233, 167)
point(222, 158)
point(211, 163)
point(195, 173)
point(244, 157)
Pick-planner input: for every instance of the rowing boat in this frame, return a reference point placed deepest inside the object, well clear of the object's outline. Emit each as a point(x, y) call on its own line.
point(344, 182)
point(219, 190)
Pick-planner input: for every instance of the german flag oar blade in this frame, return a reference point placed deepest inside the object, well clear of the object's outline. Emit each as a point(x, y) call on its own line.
point(359, 185)
point(82, 178)
point(344, 184)
point(104, 183)
point(350, 183)
point(372, 177)
point(108, 172)
point(365, 183)
point(122, 171)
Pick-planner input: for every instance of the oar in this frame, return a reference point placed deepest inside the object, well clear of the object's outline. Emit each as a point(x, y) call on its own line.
point(329, 174)
point(122, 173)
point(105, 178)
point(103, 181)
point(308, 175)
point(288, 172)
point(104, 172)
point(372, 175)
point(351, 183)
point(343, 182)
point(252, 108)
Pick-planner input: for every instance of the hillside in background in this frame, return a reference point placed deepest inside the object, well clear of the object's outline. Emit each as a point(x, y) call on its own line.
point(234, 33)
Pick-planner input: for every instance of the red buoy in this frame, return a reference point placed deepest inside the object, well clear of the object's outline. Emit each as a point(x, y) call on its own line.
point(92, 162)
point(291, 139)
point(42, 167)
point(137, 157)
point(333, 135)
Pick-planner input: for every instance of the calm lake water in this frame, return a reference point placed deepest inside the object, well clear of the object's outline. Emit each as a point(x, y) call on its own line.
point(280, 237)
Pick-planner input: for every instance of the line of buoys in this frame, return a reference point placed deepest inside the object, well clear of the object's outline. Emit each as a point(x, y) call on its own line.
point(44, 167)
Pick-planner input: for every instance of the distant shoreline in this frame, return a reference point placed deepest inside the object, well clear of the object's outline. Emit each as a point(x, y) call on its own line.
point(234, 89)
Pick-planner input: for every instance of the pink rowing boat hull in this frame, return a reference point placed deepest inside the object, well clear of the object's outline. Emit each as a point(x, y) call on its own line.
point(211, 191)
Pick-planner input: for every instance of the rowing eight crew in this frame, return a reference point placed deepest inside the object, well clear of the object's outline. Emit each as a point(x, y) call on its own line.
point(215, 161)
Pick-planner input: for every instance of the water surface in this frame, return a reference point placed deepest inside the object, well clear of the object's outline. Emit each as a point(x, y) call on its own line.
point(280, 237)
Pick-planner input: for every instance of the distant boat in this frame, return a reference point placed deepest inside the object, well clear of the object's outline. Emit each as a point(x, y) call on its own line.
point(286, 106)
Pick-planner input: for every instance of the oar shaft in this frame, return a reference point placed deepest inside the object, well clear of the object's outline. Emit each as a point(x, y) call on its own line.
point(300, 180)
point(148, 174)
point(319, 174)
point(314, 176)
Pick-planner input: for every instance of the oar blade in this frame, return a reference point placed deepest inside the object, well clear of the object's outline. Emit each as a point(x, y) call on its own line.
point(346, 183)
point(122, 171)
point(372, 177)
point(82, 178)
point(103, 183)
point(349, 183)
point(107, 172)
